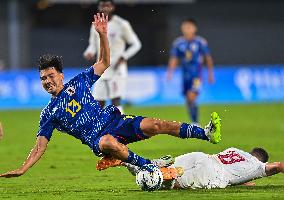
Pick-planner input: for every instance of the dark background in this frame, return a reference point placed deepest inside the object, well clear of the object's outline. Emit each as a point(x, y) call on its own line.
point(238, 32)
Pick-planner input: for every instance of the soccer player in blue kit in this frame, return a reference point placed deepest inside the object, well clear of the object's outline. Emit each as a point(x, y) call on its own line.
point(189, 51)
point(72, 109)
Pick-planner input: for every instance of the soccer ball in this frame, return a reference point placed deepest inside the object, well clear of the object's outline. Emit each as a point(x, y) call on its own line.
point(150, 178)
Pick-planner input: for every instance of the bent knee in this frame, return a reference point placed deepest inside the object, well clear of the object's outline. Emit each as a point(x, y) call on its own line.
point(108, 143)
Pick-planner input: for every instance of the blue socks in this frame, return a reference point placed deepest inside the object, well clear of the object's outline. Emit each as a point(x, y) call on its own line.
point(136, 160)
point(193, 111)
point(192, 131)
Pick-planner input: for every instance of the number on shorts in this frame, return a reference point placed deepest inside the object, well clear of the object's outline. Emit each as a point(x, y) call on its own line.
point(230, 157)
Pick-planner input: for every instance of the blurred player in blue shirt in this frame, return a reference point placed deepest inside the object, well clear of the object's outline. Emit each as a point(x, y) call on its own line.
point(190, 51)
point(73, 110)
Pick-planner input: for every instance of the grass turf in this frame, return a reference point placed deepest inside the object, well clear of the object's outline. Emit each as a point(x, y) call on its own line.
point(67, 170)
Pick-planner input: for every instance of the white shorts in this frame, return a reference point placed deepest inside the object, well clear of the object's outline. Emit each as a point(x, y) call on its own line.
point(200, 171)
point(109, 89)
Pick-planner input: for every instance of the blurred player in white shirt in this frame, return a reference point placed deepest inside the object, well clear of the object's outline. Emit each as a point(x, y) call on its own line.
point(229, 167)
point(112, 83)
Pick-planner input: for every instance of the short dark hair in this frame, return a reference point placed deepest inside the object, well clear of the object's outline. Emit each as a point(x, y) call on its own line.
point(190, 20)
point(111, 1)
point(260, 153)
point(47, 60)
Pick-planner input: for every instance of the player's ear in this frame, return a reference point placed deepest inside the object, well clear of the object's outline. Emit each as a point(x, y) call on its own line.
point(62, 76)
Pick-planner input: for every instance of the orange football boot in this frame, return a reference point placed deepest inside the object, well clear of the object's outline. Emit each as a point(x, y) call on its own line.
point(106, 162)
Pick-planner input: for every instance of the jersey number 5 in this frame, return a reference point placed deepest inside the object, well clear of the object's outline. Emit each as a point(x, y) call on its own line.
point(230, 157)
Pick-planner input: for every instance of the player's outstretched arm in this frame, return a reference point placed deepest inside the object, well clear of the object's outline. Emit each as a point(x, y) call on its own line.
point(274, 168)
point(172, 65)
point(100, 23)
point(210, 65)
point(34, 156)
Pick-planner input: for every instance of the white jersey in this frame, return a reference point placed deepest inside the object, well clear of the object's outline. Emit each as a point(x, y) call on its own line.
point(120, 33)
point(230, 167)
point(240, 166)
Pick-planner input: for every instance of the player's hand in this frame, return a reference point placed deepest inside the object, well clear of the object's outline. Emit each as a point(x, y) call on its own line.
point(1, 131)
point(249, 184)
point(11, 174)
point(100, 23)
point(120, 61)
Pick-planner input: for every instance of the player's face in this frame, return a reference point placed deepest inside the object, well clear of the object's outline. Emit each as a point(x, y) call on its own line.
point(106, 7)
point(188, 30)
point(51, 80)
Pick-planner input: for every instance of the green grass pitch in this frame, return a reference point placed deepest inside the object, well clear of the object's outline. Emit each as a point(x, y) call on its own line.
point(67, 170)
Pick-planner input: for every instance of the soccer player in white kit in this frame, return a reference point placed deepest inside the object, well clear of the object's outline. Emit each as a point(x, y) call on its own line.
point(229, 167)
point(112, 83)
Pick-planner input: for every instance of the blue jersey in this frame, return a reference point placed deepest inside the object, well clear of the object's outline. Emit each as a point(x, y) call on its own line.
point(75, 111)
point(190, 53)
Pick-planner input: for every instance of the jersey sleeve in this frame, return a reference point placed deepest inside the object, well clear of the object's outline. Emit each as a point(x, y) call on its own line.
point(45, 125)
point(175, 52)
point(94, 41)
point(262, 169)
point(204, 47)
point(132, 39)
point(89, 76)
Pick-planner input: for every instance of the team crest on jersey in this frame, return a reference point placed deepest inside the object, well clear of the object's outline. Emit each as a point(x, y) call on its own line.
point(73, 107)
point(188, 55)
point(70, 90)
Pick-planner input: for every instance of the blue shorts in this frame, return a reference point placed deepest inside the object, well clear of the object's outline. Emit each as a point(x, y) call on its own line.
point(192, 84)
point(124, 128)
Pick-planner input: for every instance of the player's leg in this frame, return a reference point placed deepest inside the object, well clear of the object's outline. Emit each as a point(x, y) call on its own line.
point(101, 91)
point(125, 129)
point(151, 127)
point(192, 105)
point(108, 145)
point(191, 91)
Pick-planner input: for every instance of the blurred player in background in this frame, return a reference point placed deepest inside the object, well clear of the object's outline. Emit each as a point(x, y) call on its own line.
point(230, 167)
point(73, 110)
point(112, 84)
point(190, 51)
